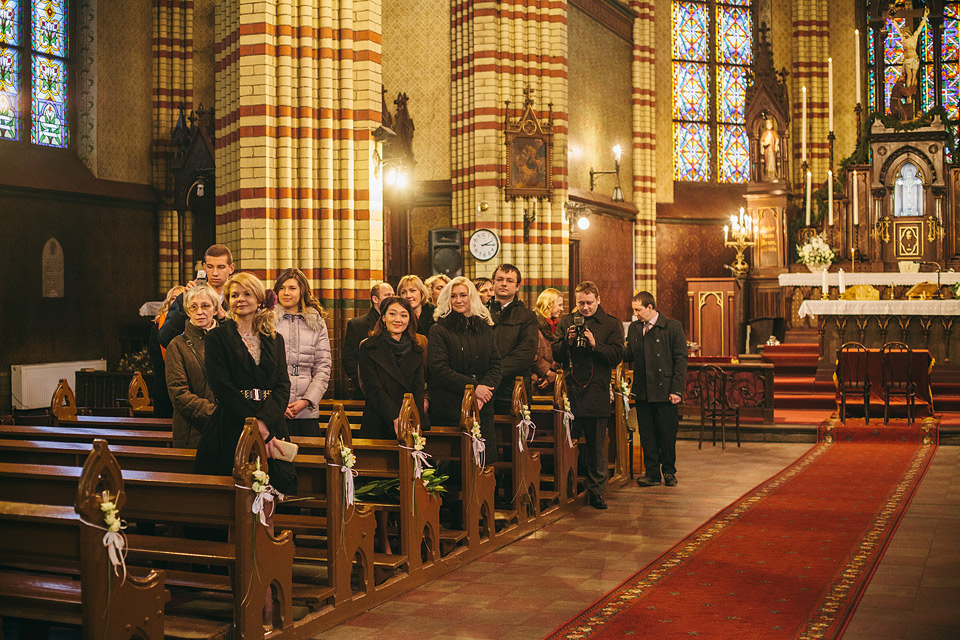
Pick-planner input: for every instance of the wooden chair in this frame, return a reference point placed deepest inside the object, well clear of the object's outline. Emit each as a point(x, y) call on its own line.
point(852, 377)
point(896, 360)
point(715, 405)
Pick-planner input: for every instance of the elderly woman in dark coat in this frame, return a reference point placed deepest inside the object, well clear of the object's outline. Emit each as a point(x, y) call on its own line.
point(192, 397)
point(463, 351)
point(391, 365)
point(247, 370)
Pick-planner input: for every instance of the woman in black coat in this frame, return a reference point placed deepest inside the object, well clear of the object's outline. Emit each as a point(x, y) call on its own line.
point(391, 365)
point(463, 351)
point(247, 370)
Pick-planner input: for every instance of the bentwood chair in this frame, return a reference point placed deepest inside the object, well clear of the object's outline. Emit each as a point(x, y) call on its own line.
point(715, 405)
point(852, 377)
point(896, 370)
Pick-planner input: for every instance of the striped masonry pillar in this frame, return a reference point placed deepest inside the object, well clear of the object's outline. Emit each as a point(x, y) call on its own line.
point(498, 50)
point(811, 48)
point(644, 147)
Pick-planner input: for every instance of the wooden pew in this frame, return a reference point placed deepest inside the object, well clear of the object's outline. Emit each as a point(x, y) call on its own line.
point(54, 535)
point(553, 441)
point(256, 559)
point(116, 435)
point(621, 437)
point(524, 465)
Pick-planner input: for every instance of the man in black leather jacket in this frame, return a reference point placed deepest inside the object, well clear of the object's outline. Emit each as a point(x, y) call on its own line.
point(515, 330)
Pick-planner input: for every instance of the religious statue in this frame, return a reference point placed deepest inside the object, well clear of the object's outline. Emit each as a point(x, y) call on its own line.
point(908, 192)
point(911, 61)
point(770, 151)
point(902, 106)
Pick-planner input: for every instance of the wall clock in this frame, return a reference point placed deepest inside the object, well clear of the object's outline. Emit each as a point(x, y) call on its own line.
point(484, 244)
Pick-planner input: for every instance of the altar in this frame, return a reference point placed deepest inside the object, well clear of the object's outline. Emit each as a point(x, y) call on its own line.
point(921, 324)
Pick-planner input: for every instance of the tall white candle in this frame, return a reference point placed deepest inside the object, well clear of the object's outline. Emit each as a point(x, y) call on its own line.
point(823, 283)
point(841, 284)
point(830, 90)
point(856, 201)
point(856, 59)
point(830, 198)
point(808, 197)
point(803, 124)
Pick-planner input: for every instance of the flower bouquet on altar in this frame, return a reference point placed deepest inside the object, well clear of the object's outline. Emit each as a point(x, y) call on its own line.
point(816, 253)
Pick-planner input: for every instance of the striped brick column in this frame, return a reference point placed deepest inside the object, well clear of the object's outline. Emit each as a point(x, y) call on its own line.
point(811, 48)
point(499, 49)
point(172, 86)
point(298, 95)
point(644, 147)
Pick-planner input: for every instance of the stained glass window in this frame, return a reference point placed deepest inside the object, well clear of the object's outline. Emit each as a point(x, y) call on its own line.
point(34, 71)
point(712, 55)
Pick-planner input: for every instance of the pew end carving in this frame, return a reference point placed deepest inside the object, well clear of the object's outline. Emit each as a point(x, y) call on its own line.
point(479, 485)
point(565, 466)
point(621, 437)
point(63, 405)
point(420, 527)
point(138, 394)
point(526, 476)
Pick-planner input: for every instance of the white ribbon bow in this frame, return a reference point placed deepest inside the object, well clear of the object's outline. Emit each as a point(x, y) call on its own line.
point(479, 450)
point(625, 398)
point(259, 503)
point(527, 431)
point(567, 420)
point(116, 546)
point(419, 460)
point(348, 490)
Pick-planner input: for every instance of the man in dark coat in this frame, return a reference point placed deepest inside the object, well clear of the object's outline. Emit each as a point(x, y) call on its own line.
point(658, 346)
point(516, 332)
point(589, 344)
point(358, 329)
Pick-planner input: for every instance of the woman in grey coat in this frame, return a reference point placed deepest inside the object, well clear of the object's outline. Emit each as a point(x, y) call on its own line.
point(192, 398)
point(300, 322)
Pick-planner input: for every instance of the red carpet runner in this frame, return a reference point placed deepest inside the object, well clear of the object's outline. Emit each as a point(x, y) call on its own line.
point(790, 559)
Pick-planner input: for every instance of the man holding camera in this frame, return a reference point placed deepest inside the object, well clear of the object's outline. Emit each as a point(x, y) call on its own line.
point(658, 348)
point(589, 344)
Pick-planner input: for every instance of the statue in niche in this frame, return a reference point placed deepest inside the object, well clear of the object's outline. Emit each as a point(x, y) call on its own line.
point(908, 192)
point(770, 150)
point(911, 61)
point(902, 106)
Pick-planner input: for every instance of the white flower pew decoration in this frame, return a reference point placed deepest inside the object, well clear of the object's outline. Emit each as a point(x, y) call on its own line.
point(113, 539)
point(479, 445)
point(527, 428)
point(348, 459)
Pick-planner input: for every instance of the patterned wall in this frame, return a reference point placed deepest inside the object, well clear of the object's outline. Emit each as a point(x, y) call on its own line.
point(600, 113)
point(811, 48)
point(498, 49)
point(421, 71)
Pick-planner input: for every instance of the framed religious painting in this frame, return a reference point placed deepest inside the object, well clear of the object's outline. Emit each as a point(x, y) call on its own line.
point(529, 154)
point(908, 239)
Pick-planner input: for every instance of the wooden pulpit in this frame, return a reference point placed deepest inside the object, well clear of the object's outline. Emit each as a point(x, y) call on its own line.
point(713, 306)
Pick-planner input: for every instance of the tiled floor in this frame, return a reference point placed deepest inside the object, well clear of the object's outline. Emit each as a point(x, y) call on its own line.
point(536, 584)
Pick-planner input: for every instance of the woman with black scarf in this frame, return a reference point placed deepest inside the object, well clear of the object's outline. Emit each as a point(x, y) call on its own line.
point(391, 365)
point(463, 351)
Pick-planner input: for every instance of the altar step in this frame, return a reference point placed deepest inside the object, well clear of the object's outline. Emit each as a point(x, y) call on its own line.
point(798, 359)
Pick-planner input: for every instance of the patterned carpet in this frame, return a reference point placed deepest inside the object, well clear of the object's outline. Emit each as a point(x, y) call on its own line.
point(790, 559)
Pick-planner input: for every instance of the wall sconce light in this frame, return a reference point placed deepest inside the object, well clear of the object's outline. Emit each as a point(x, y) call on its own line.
point(583, 222)
point(529, 217)
point(617, 191)
point(577, 216)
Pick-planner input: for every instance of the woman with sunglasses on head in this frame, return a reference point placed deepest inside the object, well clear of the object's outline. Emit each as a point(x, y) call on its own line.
point(299, 318)
point(247, 370)
point(189, 391)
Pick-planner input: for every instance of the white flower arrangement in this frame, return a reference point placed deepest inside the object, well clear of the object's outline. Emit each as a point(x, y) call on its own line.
point(111, 515)
point(815, 251)
point(346, 454)
point(624, 388)
point(566, 404)
point(419, 442)
point(475, 430)
point(526, 412)
point(260, 479)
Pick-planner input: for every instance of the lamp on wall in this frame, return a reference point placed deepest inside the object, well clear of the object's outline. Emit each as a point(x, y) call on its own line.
point(617, 191)
point(577, 216)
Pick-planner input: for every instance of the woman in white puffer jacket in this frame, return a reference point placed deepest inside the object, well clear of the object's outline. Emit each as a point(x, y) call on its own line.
point(300, 322)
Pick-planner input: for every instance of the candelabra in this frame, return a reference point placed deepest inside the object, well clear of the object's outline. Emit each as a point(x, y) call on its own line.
point(742, 237)
point(935, 229)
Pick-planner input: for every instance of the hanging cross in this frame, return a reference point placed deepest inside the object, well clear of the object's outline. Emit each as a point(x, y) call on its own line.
point(528, 95)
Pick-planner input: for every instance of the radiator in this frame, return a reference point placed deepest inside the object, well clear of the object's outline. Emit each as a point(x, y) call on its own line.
point(32, 385)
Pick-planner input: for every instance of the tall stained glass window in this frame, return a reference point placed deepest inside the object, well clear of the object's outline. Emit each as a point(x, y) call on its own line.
point(33, 71)
point(712, 55)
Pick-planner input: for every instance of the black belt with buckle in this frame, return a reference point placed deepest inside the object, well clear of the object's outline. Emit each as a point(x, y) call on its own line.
point(255, 394)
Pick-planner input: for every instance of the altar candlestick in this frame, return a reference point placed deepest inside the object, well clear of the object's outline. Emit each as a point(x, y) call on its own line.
point(856, 201)
point(803, 125)
point(853, 259)
point(856, 59)
point(938, 208)
point(840, 283)
point(808, 197)
point(830, 198)
point(830, 90)
point(824, 287)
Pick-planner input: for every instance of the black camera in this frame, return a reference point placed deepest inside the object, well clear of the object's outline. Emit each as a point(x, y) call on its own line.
point(580, 333)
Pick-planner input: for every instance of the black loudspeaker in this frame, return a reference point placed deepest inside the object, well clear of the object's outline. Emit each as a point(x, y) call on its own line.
point(446, 252)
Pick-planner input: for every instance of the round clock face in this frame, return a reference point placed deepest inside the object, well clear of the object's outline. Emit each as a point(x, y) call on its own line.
point(484, 244)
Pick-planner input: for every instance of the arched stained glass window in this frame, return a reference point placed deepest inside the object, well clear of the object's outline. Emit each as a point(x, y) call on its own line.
point(712, 56)
point(33, 71)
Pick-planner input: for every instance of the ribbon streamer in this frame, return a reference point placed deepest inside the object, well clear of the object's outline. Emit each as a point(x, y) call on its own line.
point(527, 431)
point(116, 544)
point(479, 450)
point(419, 460)
point(348, 489)
point(567, 421)
point(267, 495)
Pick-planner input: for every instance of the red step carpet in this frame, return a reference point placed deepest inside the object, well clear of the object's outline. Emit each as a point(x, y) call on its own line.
point(789, 559)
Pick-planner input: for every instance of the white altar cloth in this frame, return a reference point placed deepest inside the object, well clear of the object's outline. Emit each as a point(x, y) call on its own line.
point(879, 307)
point(865, 277)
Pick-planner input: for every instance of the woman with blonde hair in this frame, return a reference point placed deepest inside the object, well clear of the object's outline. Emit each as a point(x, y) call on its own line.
point(247, 370)
point(549, 309)
point(299, 319)
point(435, 285)
point(162, 408)
point(412, 289)
point(463, 351)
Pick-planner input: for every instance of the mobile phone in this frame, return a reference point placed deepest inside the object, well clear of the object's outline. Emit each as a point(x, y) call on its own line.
point(201, 277)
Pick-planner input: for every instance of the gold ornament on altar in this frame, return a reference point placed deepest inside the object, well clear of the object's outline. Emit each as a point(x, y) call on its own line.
point(743, 236)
